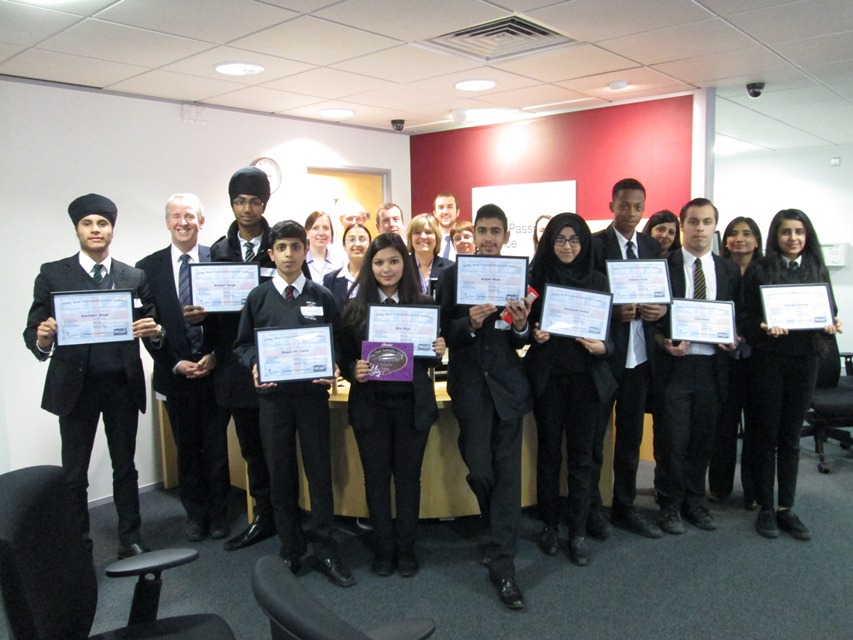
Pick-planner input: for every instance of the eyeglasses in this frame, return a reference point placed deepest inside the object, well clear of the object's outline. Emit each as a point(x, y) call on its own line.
point(574, 241)
point(356, 240)
point(242, 202)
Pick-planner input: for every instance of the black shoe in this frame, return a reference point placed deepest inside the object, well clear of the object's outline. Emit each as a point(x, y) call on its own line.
point(750, 504)
point(407, 565)
point(792, 525)
point(196, 531)
point(549, 541)
point(597, 525)
point(262, 527)
point(335, 571)
point(765, 524)
point(669, 521)
point(579, 551)
point(382, 566)
point(632, 521)
point(219, 527)
point(294, 564)
point(509, 593)
point(699, 517)
point(130, 550)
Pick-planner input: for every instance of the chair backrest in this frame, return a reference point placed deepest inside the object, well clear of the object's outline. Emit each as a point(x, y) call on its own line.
point(829, 366)
point(47, 579)
point(293, 612)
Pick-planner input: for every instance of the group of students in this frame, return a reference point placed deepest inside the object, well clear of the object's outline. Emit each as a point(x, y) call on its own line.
point(695, 390)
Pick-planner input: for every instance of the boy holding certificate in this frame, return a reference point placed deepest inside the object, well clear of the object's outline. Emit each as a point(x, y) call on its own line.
point(490, 396)
point(290, 300)
point(692, 376)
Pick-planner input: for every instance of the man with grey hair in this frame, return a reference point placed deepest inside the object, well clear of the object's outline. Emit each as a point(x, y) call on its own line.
point(182, 372)
point(389, 219)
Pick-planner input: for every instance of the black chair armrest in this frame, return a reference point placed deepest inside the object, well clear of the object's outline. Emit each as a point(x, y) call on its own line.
point(411, 629)
point(848, 362)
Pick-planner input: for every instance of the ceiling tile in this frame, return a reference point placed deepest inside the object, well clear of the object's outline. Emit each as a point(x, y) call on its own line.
point(364, 114)
point(107, 41)
point(262, 99)
point(26, 25)
point(327, 83)
point(411, 20)
point(641, 82)
point(301, 6)
point(406, 63)
point(543, 96)
point(728, 7)
point(57, 67)
point(821, 50)
point(203, 64)
point(797, 20)
point(753, 64)
point(9, 50)
point(573, 61)
point(594, 20)
point(504, 81)
point(401, 96)
point(314, 41)
point(224, 19)
point(175, 86)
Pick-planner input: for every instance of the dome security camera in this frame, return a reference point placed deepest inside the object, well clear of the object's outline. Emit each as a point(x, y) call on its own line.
point(755, 89)
point(398, 124)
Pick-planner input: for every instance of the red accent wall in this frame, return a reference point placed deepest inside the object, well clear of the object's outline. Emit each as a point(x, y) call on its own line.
point(650, 141)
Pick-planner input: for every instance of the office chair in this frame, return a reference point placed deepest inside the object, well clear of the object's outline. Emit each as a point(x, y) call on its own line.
point(47, 579)
point(832, 403)
point(296, 615)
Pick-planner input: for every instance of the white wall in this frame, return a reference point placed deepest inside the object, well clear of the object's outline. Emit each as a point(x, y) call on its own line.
point(760, 184)
point(57, 143)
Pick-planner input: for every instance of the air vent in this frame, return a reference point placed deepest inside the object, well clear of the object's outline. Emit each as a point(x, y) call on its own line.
point(499, 40)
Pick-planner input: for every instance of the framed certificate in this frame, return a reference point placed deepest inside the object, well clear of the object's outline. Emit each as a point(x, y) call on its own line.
point(300, 353)
point(797, 306)
point(490, 279)
point(399, 323)
point(639, 281)
point(222, 286)
point(93, 317)
point(576, 313)
point(389, 361)
point(707, 321)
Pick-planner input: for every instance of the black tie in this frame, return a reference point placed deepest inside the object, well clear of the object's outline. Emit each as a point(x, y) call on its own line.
point(698, 281)
point(390, 301)
point(629, 250)
point(98, 273)
point(288, 292)
point(250, 252)
point(193, 332)
point(792, 266)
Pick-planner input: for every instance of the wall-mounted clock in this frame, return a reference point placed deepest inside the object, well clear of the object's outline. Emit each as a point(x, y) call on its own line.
point(271, 168)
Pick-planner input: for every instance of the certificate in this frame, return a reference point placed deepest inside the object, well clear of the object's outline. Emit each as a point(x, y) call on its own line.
point(710, 321)
point(639, 281)
point(301, 353)
point(398, 323)
point(490, 280)
point(388, 361)
point(576, 313)
point(222, 286)
point(93, 317)
point(797, 306)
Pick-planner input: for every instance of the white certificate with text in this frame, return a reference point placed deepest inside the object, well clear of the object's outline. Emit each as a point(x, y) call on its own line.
point(576, 313)
point(300, 353)
point(222, 286)
point(639, 281)
point(397, 323)
point(93, 317)
point(797, 306)
point(706, 321)
point(490, 280)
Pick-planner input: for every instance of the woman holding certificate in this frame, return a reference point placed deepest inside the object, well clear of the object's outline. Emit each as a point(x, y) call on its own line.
point(391, 419)
point(570, 381)
point(785, 356)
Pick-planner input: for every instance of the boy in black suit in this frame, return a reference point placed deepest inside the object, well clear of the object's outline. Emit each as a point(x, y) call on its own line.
point(88, 380)
point(291, 300)
point(490, 396)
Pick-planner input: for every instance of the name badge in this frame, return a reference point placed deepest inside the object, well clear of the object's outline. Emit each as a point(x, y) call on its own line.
point(137, 303)
point(311, 311)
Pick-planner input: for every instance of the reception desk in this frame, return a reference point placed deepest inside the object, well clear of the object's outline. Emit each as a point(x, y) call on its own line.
point(444, 490)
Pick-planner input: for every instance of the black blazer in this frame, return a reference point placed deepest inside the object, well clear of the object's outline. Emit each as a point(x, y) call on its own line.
point(728, 288)
point(160, 272)
point(437, 267)
point(606, 246)
point(486, 358)
point(337, 283)
point(68, 365)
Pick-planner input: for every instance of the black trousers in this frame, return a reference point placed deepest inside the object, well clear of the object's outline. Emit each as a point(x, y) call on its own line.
point(107, 395)
point(721, 468)
point(248, 428)
point(200, 426)
point(782, 388)
point(690, 407)
point(491, 449)
point(299, 408)
point(392, 447)
point(569, 406)
point(630, 402)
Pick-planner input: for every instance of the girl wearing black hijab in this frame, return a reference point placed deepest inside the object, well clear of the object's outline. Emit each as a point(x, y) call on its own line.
point(570, 380)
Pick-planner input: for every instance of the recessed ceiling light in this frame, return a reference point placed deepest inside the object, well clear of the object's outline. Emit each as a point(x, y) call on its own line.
point(475, 85)
point(337, 113)
point(618, 85)
point(239, 68)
